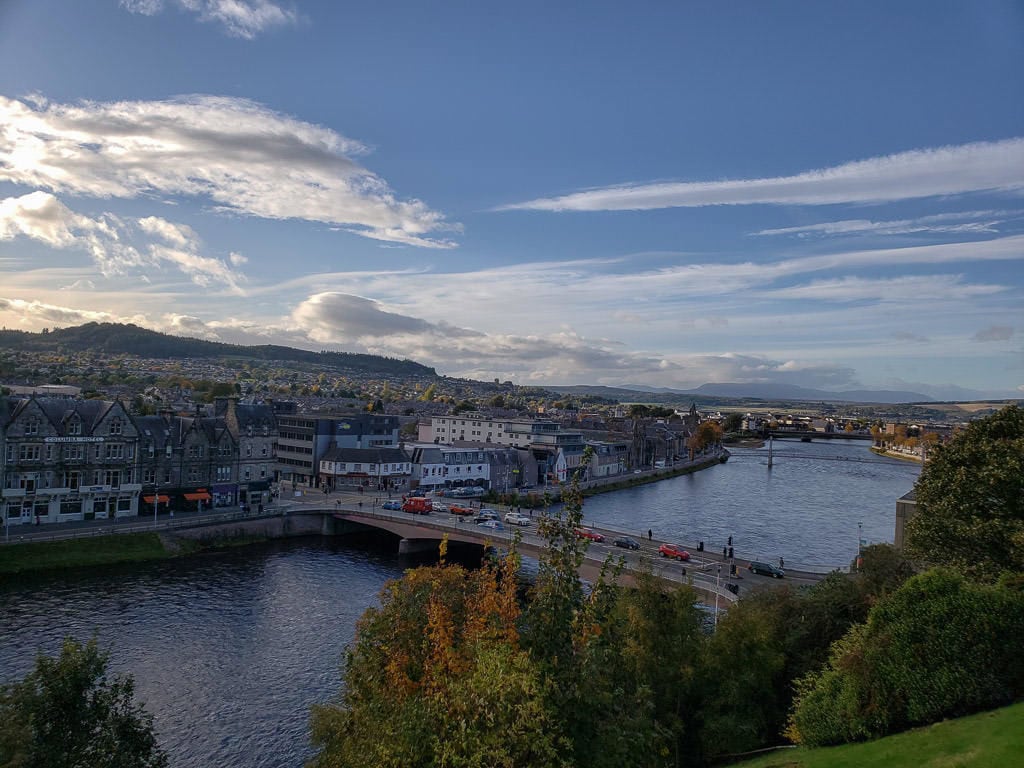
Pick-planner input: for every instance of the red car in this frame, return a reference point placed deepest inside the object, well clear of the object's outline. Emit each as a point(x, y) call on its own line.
point(589, 533)
point(674, 551)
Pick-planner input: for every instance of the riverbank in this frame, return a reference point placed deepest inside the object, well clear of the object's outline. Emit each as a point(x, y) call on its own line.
point(77, 553)
point(896, 455)
point(40, 556)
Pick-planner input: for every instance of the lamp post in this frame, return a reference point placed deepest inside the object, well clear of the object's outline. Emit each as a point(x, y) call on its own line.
point(156, 499)
point(718, 576)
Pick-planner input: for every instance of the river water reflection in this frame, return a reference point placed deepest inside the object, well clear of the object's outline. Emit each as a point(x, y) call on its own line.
point(230, 649)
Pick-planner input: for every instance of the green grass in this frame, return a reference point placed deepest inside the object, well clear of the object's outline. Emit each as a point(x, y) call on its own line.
point(72, 553)
point(989, 740)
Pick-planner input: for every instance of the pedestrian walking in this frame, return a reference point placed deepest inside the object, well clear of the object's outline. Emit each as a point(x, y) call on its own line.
point(650, 534)
point(782, 563)
point(725, 552)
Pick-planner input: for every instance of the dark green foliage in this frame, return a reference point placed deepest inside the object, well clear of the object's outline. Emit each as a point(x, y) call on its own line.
point(970, 499)
point(938, 647)
point(67, 714)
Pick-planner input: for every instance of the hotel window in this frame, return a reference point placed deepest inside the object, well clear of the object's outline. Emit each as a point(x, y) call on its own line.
point(75, 427)
point(29, 453)
point(115, 427)
point(32, 426)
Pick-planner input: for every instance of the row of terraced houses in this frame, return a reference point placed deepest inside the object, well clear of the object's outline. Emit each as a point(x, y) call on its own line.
point(65, 459)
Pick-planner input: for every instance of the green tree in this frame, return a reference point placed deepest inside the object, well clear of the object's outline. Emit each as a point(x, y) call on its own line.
point(970, 499)
point(733, 422)
point(67, 713)
point(939, 647)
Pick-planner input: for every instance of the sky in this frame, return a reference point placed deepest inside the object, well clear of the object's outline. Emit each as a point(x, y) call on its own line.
point(663, 194)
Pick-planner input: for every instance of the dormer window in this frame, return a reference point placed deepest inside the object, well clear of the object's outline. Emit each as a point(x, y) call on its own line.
point(32, 426)
point(115, 427)
point(75, 426)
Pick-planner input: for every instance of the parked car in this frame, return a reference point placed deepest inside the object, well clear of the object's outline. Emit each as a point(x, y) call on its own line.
point(494, 525)
point(766, 569)
point(626, 542)
point(589, 533)
point(517, 518)
point(674, 551)
point(391, 504)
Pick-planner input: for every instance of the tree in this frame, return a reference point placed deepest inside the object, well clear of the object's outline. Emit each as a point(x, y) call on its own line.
point(734, 422)
point(970, 499)
point(67, 713)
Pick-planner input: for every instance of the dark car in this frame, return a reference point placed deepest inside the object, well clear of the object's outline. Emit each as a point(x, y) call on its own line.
point(627, 543)
point(766, 569)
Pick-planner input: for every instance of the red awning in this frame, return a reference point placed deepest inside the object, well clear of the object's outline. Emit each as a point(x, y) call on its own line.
point(163, 499)
point(203, 496)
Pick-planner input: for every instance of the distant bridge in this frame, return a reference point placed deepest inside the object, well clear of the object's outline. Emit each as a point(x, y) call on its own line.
point(790, 434)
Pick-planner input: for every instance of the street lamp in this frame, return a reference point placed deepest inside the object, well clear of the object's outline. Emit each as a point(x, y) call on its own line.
point(718, 576)
point(156, 498)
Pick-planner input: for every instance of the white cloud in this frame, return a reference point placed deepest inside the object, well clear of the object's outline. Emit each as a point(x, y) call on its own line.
point(936, 223)
point(240, 18)
point(897, 289)
point(54, 313)
point(42, 217)
point(237, 259)
point(241, 156)
point(982, 166)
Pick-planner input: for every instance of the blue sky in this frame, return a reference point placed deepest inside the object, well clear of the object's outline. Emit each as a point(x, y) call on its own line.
point(667, 194)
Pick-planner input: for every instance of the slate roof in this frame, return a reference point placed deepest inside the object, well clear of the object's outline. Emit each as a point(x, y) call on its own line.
point(367, 455)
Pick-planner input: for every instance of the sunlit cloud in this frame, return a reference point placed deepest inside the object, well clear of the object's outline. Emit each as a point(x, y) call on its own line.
point(952, 170)
point(237, 154)
point(240, 18)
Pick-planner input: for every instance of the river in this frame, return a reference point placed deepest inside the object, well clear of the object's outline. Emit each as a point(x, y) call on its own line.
point(230, 649)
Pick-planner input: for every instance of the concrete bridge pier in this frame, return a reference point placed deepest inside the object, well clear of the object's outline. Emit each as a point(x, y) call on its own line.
point(417, 546)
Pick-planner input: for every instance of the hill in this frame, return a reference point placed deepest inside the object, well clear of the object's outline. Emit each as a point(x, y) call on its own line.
point(993, 738)
point(116, 338)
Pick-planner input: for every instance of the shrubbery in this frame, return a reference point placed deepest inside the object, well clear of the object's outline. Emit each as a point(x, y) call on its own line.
point(938, 647)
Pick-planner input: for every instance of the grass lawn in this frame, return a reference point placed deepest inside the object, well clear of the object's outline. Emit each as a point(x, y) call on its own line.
point(991, 739)
point(47, 555)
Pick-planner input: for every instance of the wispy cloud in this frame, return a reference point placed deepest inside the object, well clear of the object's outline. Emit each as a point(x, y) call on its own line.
point(971, 222)
point(241, 156)
point(115, 245)
point(899, 289)
point(952, 170)
point(240, 18)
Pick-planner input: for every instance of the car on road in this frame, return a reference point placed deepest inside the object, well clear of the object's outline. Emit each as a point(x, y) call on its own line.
point(766, 569)
point(626, 542)
point(517, 518)
point(391, 504)
point(494, 525)
point(674, 551)
point(589, 533)
point(455, 509)
point(437, 506)
point(485, 515)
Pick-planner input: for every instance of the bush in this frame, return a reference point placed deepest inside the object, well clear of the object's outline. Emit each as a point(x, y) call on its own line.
point(938, 647)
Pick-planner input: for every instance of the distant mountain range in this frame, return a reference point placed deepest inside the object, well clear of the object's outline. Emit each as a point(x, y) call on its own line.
point(709, 393)
point(116, 338)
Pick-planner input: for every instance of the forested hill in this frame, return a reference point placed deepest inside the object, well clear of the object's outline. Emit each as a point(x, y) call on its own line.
point(115, 338)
